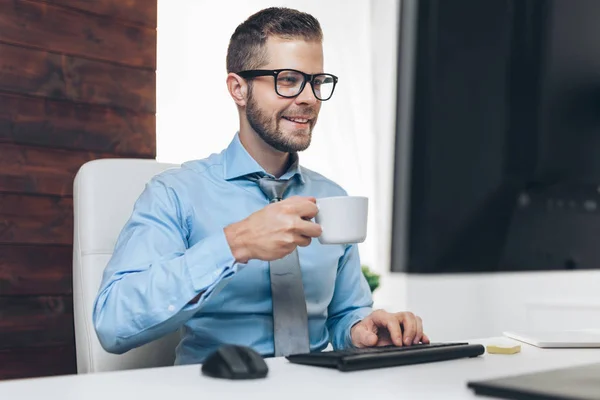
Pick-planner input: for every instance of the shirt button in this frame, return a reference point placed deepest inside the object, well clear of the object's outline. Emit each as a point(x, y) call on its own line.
point(171, 308)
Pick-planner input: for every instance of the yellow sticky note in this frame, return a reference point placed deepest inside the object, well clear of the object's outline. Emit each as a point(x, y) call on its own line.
point(503, 349)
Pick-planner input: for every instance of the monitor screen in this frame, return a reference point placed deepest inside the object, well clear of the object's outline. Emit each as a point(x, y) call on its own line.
point(497, 162)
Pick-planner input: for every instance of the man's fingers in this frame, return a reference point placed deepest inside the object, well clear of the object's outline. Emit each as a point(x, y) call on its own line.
point(418, 337)
point(304, 207)
point(308, 228)
point(394, 330)
point(382, 328)
point(302, 241)
point(389, 322)
point(425, 339)
point(409, 322)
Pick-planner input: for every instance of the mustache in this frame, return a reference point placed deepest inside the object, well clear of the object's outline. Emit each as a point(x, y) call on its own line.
point(310, 112)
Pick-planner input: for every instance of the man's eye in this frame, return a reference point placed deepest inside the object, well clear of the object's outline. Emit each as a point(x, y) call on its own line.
point(287, 79)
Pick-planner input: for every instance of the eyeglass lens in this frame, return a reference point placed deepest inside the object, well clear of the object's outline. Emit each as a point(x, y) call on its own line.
point(289, 84)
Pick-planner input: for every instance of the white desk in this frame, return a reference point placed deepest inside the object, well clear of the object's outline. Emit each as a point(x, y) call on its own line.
point(441, 380)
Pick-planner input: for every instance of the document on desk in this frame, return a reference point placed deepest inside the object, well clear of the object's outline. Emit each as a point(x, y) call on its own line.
point(585, 338)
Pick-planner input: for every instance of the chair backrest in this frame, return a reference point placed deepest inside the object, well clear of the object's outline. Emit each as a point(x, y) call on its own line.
point(104, 193)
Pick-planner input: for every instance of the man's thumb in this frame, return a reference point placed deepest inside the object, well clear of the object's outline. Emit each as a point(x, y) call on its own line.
point(369, 338)
point(362, 336)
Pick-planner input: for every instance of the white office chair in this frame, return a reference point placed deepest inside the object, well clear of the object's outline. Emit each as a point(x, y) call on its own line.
point(104, 193)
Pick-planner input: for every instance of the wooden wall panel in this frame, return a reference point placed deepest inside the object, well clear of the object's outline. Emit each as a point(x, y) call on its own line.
point(56, 76)
point(41, 171)
point(36, 321)
point(45, 26)
point(29, 362)
point(73, 126)
point(135, 11)
point(77, 83)
point(36, 270)
point(36, 219)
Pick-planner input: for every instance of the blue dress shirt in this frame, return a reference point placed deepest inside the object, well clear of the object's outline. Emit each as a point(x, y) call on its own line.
point(173, 248)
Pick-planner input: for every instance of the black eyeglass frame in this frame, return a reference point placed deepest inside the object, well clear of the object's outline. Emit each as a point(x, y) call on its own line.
point(253, 73)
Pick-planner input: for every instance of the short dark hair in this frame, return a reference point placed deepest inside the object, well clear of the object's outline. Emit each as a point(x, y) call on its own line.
point(247, 44)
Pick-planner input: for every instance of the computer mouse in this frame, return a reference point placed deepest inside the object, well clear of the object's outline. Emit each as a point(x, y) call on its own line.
point(235, 362)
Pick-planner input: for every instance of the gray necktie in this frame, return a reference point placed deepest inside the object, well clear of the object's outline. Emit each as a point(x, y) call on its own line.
point(290, 320)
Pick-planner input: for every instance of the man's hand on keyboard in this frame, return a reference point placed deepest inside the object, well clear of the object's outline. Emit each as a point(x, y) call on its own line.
point(381, 328)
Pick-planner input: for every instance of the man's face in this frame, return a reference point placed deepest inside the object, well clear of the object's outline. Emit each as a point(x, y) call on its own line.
point(285, 124)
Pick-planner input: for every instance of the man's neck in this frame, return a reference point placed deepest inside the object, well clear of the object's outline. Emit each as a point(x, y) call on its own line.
point(271, 160)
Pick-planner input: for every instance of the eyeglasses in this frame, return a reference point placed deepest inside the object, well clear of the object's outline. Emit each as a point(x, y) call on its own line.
point(290, 82)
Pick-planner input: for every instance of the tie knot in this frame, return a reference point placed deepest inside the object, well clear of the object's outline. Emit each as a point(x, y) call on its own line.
point(273, 188)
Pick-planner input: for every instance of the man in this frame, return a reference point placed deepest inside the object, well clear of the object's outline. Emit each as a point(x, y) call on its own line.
point(210, 246)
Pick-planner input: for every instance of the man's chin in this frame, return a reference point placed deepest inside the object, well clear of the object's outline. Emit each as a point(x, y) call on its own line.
point(294, 146)
point(299, 140)
point(288, 141)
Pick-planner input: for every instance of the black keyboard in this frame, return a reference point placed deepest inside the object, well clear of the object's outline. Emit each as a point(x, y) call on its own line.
point(387, 356)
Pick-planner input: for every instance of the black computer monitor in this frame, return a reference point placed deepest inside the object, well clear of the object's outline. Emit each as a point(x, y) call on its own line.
point(497, 162)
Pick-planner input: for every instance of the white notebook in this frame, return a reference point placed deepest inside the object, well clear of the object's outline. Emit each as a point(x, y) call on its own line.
point(555, 339)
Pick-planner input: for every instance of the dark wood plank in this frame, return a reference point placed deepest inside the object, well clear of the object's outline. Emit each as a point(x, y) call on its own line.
point(66, 125)
point(37, 361)
point(36, 321)
point(36, 270)
point(62, 30)
point(38, 170)
point(137, 11)
point(36, 219)
point(33, 72)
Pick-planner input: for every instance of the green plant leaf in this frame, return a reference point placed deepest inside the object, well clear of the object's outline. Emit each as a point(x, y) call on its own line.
point(371, 277)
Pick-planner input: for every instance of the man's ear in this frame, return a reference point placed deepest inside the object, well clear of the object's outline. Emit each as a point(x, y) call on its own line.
point(238, 89)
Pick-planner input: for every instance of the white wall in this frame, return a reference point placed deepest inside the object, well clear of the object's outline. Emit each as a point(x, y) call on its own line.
point(462, 306)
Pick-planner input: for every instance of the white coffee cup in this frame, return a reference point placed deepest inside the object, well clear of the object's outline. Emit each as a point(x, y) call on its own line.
point(343, 219)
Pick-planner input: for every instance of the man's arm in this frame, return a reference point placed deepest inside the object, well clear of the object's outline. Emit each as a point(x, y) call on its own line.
point(154, 283)
point(352, 300)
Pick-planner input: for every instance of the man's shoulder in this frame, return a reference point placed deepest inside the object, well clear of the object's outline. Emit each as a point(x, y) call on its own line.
point(190, 172)
point(322, 184)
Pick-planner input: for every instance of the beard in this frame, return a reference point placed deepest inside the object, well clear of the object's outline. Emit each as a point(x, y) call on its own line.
point(269, 131)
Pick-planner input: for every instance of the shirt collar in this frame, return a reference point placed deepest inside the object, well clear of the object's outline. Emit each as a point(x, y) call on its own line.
point(238, 162)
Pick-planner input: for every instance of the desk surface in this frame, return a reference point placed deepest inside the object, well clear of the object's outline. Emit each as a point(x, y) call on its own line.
point(444, 380)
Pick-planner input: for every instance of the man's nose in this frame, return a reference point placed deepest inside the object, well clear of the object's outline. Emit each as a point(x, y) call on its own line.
point(306, 96)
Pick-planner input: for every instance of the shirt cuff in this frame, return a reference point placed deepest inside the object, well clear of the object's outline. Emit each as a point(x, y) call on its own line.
point(209, 260)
